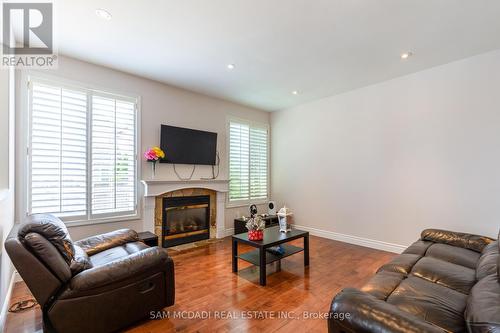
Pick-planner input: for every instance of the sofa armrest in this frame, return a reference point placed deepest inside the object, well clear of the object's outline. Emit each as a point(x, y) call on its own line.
point(151, 259)
point(99, 243)
point(459, 239)
point(355, 311)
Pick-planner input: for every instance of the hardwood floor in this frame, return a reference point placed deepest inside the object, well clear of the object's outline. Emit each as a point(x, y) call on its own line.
point(206, 286)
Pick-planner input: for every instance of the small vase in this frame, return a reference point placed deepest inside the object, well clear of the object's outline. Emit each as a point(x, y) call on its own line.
point(255, 235)
point(153, 170)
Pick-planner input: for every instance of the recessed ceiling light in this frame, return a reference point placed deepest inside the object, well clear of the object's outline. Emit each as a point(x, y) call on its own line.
point(103, 13)
point(231, 67)
point(406, 55)
point(295, 92)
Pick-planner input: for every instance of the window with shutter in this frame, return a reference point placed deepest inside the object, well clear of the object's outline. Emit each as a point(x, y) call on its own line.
point(82, 153)
point(248, 161)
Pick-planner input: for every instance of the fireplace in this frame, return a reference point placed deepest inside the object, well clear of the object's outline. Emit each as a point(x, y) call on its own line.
point(185, 219)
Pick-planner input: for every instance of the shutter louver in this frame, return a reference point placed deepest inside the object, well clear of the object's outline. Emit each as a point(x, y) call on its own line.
point(248, 162)
point(58, 151)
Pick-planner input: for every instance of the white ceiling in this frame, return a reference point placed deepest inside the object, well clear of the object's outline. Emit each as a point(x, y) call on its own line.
point(318, 47)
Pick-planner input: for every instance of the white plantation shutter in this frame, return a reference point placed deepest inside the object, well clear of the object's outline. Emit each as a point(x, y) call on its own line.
point(82, 153)
point(58, 180)
point(258, 163)
point(113, 155)
point(239, 161)
point(248, 161)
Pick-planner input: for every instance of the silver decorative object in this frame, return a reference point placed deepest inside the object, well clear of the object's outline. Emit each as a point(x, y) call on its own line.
point(285, 219)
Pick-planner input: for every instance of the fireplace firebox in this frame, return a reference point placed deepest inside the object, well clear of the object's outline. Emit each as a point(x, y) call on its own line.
point(185, 220)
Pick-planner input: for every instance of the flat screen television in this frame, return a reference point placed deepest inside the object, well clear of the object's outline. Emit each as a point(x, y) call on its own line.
point(188, 146)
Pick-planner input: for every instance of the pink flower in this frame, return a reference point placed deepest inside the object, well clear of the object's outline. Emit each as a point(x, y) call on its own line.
point(150, 155)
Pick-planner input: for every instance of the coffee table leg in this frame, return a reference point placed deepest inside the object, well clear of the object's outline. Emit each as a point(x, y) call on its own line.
point(262, 266)
point(235, 256)
point(306, 250)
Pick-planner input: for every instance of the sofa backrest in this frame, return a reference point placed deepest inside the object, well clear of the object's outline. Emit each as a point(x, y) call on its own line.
point(464, 240)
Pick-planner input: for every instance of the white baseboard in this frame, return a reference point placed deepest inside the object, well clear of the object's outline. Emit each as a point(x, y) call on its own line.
point(228, 232)
point(3, 315)
point(366, 242)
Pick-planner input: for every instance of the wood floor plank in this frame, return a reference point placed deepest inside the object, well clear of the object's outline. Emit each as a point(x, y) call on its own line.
point(236, 302)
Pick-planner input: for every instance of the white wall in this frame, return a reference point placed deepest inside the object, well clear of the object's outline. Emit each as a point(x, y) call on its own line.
point(386, 161)
point(160, 104)
point(7, 193)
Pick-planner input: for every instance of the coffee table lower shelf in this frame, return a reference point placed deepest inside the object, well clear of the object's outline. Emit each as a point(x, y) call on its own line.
point(253, 256)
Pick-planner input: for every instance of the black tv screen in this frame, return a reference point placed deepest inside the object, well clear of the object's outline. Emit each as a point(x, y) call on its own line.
point(188, 146)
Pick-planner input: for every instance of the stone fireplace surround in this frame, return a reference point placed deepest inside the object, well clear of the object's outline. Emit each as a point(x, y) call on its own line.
point(156, 190)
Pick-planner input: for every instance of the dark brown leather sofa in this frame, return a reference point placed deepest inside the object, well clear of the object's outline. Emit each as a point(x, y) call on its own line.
point(444, 282)
point(99, 284)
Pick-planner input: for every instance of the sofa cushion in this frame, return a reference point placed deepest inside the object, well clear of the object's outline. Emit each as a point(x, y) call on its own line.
point(401, 264)
point(458, 239)
point(419, 247)
point(381, 285)
point(116, 253)
point(51, 228)
point(454, 255)
point(449, 275)
point(433, 303)
point(483, 306)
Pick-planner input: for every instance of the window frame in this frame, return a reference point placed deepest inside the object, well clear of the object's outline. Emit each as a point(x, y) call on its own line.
point(245, 202)
point(89, 90)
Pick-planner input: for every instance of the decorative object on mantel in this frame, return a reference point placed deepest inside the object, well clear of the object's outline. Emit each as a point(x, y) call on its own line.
point(285, 219)
point(153, 155)
point(256, 226)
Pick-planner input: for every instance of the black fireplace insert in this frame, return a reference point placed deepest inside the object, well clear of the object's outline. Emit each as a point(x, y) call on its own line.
point(185, 220)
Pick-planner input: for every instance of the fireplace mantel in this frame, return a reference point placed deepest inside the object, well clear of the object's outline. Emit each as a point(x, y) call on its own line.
point(154, 188)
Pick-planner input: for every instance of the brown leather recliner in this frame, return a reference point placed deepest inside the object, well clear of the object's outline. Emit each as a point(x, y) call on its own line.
point(445, 282)
point(98, 284)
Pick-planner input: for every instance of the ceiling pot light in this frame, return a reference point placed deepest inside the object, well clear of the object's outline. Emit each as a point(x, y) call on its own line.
point(406, 55)
point(231, 67)
point(103, 13)
point(295, 92)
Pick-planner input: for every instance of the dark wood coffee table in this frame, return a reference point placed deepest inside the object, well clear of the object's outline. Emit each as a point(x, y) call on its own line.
point(272, 237)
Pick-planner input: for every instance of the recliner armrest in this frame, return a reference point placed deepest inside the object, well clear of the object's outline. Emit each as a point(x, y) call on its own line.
point(150, 259)
point(459, 239)
point(99, 243)
point(361, 312)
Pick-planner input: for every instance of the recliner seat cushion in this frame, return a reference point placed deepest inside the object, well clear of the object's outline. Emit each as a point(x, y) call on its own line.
point(436, 304)
point(381, 285)
point(116, 253)
point(454, 255)
point(444, 273)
